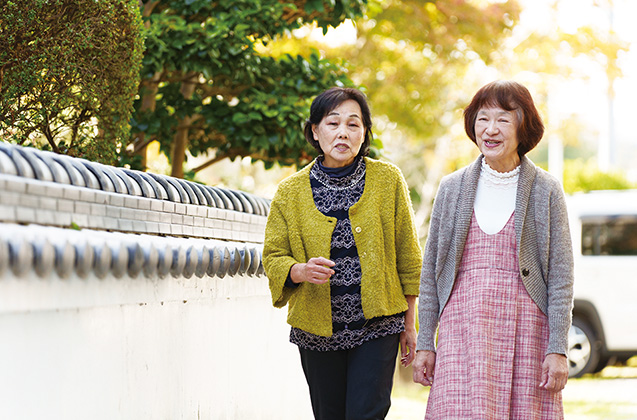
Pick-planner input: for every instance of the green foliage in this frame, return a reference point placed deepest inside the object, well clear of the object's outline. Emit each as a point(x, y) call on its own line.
point(585, 176)
point(206, 88)
point(69, 70)
point(553, 47)
point(411, 55)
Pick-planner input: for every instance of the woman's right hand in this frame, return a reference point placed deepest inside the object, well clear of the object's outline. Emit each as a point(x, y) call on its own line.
point(316, 270)
point(423, 366)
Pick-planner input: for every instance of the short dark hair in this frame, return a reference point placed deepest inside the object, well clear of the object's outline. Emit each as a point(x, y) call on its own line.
point(510, 96)
point(325, 103)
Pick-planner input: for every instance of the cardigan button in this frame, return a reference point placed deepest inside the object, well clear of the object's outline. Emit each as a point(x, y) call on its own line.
point(525, 272)
point(358, 229)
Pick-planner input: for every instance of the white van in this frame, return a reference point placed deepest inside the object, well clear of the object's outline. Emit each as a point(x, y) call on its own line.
point(604, 229)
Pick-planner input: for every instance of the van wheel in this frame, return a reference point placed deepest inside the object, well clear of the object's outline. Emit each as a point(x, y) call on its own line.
point(583, 349)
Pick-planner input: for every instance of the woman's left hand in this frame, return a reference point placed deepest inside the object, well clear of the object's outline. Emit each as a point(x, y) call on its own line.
point(408, 345)
point(554, 372)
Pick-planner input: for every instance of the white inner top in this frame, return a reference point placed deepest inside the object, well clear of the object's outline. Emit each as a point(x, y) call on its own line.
point(495, 198)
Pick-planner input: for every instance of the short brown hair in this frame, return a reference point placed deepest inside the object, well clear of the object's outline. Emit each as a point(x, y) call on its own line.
point(510, 96)
point(325, 103)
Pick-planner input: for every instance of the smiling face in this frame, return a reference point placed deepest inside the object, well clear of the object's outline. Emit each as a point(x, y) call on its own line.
point(496, 137)
point(340, 134)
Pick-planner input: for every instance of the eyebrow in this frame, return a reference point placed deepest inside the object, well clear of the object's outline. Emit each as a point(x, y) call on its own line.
point(350, 116)
point(504, 112)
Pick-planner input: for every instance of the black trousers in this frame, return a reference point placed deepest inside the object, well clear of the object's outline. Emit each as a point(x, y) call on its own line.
point(352, 384)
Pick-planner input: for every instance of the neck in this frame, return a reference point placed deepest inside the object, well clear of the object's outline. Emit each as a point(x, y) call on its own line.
point(503, 165)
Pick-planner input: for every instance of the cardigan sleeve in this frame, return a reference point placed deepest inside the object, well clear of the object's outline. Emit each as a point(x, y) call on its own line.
point(277, 254)
point(560, 275)
point(408, 251)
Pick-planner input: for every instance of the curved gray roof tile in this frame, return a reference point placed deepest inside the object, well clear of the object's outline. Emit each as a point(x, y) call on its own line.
point(48, 166)
point(21, 164)
point(67, 253)
point(226, 203)
point(7, 166)
point(40, 170)
point(43, 194)
point(75, 176)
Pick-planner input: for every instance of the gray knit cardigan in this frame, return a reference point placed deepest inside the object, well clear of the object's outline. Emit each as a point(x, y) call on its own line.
point(543, 241)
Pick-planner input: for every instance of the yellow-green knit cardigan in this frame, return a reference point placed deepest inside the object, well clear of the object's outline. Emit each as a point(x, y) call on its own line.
point(385, 234)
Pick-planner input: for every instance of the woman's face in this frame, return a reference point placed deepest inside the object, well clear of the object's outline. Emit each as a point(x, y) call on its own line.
point(341, 134)
point(496, 137)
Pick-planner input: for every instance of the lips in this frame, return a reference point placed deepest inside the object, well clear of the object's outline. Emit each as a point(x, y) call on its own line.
point(341, 147)
point(492, 143)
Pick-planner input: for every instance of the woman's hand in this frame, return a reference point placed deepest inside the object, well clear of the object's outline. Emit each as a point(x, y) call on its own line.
point(408, 345)
point(409, 336)
point(424, 365)
point(554, 372)
point(316, 270)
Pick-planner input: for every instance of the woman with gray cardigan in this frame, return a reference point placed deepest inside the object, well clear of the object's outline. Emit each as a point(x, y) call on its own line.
point(497, 275)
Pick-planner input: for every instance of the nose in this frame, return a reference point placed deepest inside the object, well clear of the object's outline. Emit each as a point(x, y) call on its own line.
point(342, 131)
point(492, 127)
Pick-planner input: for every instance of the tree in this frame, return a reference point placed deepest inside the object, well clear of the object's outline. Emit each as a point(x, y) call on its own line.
point(69, 70)
point(412, 57)
point(416, 59)
point(207, 90)
point(584, 176)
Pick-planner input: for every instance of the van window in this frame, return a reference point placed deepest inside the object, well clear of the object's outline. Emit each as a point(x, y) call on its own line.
point(616, 235)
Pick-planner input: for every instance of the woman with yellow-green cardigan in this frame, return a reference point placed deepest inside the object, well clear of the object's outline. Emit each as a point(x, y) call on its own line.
point(341, 250)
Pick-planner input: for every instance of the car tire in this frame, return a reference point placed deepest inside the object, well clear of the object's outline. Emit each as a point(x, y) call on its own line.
point(583, 349)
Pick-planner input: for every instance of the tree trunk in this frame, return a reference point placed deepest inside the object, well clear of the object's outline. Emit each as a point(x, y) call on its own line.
point(180, 139)
point(179, 146)
point(149, 101)
point(151, 86)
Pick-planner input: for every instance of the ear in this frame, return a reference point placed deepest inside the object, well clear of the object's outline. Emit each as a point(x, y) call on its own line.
point(314, 128)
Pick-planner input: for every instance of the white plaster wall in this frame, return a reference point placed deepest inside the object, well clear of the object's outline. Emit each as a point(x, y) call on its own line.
point(198, 348)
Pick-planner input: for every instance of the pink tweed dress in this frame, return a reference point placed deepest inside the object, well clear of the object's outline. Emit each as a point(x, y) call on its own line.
point(492, 339)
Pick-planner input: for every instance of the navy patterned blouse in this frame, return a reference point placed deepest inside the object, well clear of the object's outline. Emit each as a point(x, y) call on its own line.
point(335, 190)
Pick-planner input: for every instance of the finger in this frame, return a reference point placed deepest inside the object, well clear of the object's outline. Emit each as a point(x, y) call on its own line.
point(322, 261)
point(545, 376)
point(321, 271)
point(411, 353)
point(403, 345)
point(429, 371)
point(550, 384)
point(405, 360)
point(419, 377)
point(408, 359)
point(319, 280)
point(424, 380)
point(559, 383)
